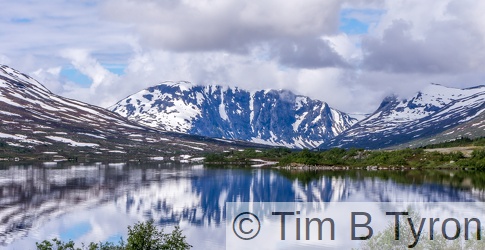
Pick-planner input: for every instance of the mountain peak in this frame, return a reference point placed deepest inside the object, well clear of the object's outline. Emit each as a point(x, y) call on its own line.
point(10, 77)
point(387, 101)
point(182, 85)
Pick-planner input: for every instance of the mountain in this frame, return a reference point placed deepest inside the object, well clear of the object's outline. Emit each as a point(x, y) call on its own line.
point(274, 117)
point(38, 124)
point(431, 111)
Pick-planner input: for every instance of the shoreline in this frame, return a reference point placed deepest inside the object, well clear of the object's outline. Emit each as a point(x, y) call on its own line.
point(369, 168)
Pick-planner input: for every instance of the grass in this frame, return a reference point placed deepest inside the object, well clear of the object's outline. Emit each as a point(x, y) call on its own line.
point(359, 158)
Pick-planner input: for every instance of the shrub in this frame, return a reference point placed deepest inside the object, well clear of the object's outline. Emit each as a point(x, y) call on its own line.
point(146, 236)
point(215, 158)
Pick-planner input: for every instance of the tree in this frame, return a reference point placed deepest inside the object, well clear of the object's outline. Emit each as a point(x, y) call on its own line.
point(146, 236)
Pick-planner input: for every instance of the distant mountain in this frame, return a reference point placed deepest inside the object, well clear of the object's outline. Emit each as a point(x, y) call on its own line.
point(475, 128)
point(433, 110)
point(274, 117)
point(39, 124)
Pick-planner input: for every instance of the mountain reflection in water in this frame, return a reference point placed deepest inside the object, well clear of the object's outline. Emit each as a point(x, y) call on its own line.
point(33, 196)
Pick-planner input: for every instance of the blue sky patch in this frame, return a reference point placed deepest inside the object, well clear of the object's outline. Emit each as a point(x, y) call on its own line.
point(115, 68)
point(115, 238)
point(75, 231)
point(75, 76)
point(21, 20)
point(353, 27)
point(72, 74)
point(358, 21)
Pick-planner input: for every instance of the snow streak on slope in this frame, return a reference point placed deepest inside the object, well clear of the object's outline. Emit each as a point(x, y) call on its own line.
point(274, 117)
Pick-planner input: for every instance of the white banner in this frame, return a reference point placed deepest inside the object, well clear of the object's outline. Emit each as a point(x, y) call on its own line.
point(359, 225)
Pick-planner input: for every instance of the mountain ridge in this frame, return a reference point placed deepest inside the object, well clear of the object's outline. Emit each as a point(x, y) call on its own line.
point(33, 117)
point(430, 111)
point(274, 117)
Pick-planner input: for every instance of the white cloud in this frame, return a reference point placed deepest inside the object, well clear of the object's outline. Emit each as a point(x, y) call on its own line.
point(265, 44)
point(224, 25)
point(4, 59)
point(34, 32)
point(89, 66)
point(345, 46)
point(432, 37)
point(49, 77)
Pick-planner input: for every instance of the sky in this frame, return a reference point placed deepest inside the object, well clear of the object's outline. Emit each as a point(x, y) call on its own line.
point(348, 53)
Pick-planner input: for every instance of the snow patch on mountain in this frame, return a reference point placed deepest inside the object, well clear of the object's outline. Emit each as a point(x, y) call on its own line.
point(71, 142)
point(222, 106)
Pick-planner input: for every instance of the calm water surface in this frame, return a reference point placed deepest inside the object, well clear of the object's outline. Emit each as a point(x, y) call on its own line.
point(97, 202)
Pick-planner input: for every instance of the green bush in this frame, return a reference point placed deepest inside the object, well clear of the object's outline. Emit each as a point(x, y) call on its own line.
point(146, 236)
point(476, 161)
point(214, 158)
point(478, 154)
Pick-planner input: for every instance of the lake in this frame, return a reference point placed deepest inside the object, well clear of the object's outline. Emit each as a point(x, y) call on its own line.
point(97, 202)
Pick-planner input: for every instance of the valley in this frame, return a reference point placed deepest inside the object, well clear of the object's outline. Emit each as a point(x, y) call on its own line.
point(186, 122)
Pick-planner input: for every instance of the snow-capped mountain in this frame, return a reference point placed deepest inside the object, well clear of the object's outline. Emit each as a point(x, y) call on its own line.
point(41, 124)
point(274, 117)
point(431, 111)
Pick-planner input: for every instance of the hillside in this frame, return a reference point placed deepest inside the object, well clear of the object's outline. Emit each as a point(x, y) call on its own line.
point(432, 111)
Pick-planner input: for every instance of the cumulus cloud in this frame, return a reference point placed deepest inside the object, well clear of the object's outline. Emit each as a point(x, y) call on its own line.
point(447, 46)
point(33, 33)
point(312, 47)
point(416, 43)
point(224, 25)
point(49, 77)
point(89, 66)
point(307, 53)
point(291, 28)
